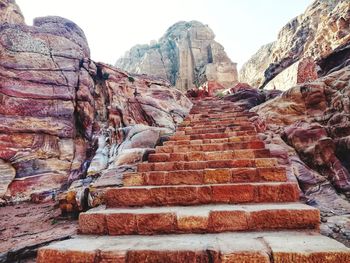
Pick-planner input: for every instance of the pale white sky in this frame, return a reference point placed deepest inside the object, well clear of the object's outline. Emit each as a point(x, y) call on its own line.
point(114, 26)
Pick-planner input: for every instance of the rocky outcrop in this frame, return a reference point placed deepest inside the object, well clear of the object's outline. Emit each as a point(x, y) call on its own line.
point(187, 55)
point(247, 97)
point(63, 116)
point(320, 31)
point(314, 118)
point(10, 12)
point(39, 71)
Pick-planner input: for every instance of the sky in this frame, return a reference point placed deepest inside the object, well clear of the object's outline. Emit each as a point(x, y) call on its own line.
point(114, 26)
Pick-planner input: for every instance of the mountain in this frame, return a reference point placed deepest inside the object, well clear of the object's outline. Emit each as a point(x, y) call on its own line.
point(187, 55)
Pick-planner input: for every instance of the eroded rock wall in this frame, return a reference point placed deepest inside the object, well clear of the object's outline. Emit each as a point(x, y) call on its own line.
point(63, 116)
point(314, 118)
point(323, 28)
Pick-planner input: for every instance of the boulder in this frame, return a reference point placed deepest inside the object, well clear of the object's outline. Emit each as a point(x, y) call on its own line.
point(247, 97)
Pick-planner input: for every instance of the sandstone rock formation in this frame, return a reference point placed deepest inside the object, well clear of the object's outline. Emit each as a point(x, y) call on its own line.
point(323, 29)
point(247, 97)
point(187, 55)
point(63, 116)
point(307, 126)
point(39, 73)
point(10, 12)
point(315, 119)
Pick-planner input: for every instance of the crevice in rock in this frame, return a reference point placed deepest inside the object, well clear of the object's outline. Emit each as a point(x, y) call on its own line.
point(268, 249)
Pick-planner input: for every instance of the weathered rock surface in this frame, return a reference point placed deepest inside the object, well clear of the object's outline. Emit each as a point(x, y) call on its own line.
point(39, 73)
point(63, 117)
point(323, 29)
point(247, 97)
point(187, 55)
point(26, 227)
point(10, 12)
point(314, 118)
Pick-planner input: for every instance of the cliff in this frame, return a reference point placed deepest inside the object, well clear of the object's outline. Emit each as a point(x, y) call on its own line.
point(187, 55)
point(321, 30)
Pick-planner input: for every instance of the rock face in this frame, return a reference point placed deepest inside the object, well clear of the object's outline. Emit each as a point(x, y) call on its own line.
point(62, 116)
point(315, 119)
point(187, 55)
point(39, 73)
point(10, 12)
point(307, 126)
point(323, 29)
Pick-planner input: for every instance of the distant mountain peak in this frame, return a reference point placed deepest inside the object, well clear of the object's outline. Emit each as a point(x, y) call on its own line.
point(187, 55)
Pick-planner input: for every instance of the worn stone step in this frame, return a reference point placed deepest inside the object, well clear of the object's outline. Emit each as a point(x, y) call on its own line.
point(217, 130)
point(254, 247)
point(198, 219)
point(200, 109)
point(220, 114)
point(205, 176)
point(200, 165)
point(211, 125)
point(257, 144)
point(232, 123)
point(208, 156)
point(214, 110)
point(202, 194)
point(211, 122)
point(209, 141)
point(178, 136)
point(216, 120)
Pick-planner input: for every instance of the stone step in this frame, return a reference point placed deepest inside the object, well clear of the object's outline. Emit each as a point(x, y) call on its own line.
point(205, 176)
point(200, 109)
point(211, 122)
point(208, 120)
point(257, 144)
point(217, 130)
point(178, 136)
point(209, 156)
point(270, 163)
point(209, 141)
point(207, 110)
point(214, 110)
point(198, 219)
point(220, 114)
point(202, 194)
point(258, 247)
point(210, 125)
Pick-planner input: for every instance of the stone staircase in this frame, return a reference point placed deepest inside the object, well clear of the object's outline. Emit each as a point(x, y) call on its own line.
point(210, 194)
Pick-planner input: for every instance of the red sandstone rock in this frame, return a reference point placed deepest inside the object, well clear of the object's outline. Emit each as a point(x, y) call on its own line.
point(316, 113)
point(63, 121)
